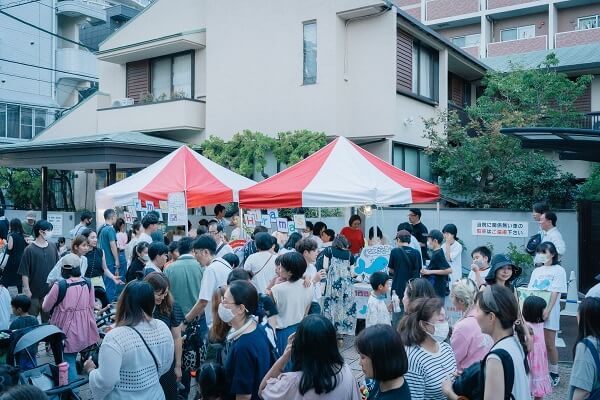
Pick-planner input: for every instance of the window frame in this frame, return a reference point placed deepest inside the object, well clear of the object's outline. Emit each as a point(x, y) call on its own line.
point(518, 31)
point(434, 71)
point(172, 56)
point(420, 158)
point(305, 78)
point(579, 28)
point(464, 37)
point(35, 112)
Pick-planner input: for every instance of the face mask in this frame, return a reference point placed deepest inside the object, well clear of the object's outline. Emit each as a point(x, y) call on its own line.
point(539, 259)
point(225, 314)
point(146, 257)
point(441, 330)
point(47, 235)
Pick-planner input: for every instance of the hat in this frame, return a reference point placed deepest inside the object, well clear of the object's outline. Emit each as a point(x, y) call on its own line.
point(402, 233)
point(30, 215)
point(70, 260)
point(500, 261)
point(435, 234)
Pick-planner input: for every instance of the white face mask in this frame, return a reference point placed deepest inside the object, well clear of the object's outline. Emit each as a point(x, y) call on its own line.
point(146, 257)
point(539, 259)
point(47, 235)
point(441, 330)
point(225, 314)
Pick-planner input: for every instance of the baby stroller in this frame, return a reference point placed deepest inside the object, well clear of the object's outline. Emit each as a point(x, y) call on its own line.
point(45, 376)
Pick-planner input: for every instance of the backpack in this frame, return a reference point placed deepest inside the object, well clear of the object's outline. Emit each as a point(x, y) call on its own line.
point(595, 394)
point(63, 285)
point(471, 383)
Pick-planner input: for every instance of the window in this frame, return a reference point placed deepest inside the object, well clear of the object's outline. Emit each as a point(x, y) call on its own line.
point(425, 71)
point(587, 22)
point(412, 160)
point(522, 32)
point(20, 122)
point(309, 70)
point(40, 120)
point(2, 120)
point(171, 76)
point(12, 121)
point(467, 40)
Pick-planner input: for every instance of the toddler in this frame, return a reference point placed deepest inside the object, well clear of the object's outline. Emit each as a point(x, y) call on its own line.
point(377, 311)
point(20, 308)
point(533, 310)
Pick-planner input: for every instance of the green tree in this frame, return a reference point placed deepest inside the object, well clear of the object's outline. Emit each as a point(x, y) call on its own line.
point(481, 167)
point(590, 190)
point(295, 146)
point(23, 188)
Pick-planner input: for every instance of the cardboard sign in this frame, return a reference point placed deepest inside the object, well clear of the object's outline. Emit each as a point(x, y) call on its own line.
point(291, 227)
point(177, 208)
point(250, 220)
point(265, 220)
point(137, 205)
point(128, 217)
point(164, 206)
point(273, 214)
point(300, 221)
point(149, 206)
point(282, 225)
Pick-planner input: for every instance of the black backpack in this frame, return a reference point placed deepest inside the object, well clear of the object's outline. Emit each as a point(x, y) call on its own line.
point(471, 383)
point(63, 285)
point(533, 243)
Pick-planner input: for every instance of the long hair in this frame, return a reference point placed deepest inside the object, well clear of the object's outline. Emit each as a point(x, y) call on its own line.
point(135, 303)
point(316, 355)
point(502, 302)
point(16, 226)
point(589, 319)
point(160, 283)
point(292, 240)
point(219, 329)
point(421, 309)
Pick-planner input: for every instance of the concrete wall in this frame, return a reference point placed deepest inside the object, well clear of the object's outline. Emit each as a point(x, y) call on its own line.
point(539, 20)
point(409, 120)
point(81, 121)
point(69, 220)
point(567, 18)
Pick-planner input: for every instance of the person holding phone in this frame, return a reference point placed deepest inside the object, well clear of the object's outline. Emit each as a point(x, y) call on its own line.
point(481, 257)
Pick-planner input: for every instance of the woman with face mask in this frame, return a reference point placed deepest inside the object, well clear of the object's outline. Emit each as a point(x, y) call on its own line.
point(248, 357)
point(139, 260)
point(74, 315)
point(430, 360)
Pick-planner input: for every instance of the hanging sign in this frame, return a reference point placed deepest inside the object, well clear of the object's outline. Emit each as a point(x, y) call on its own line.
point(250, 220)
point(265, 220)
point(300, 221)
point(177, 209)
point(273, 214)
point(282, 225)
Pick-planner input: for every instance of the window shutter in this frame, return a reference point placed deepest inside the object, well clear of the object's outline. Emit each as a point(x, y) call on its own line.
point(138, 79)
point(584, 102)
point(404, 54)
point(457, 94)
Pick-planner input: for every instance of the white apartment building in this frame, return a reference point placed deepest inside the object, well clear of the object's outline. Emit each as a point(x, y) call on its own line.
point(187, 69)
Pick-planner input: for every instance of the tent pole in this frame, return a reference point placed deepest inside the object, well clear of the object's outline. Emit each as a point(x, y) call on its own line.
point(186, 213)
point(242, 230)
point(437, 206)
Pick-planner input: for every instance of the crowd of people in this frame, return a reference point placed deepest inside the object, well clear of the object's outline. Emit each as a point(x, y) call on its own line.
point(269, 320)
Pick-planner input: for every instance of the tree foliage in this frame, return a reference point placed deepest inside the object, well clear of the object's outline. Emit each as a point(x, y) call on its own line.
point(247, 151)
point(481, 167)
point(590, 190)
point(23, 187)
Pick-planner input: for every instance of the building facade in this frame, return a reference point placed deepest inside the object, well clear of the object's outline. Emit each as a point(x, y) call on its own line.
point(354, 68)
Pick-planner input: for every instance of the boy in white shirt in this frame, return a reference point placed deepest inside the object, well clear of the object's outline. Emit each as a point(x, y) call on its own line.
point(308, 248)
point(378, 312)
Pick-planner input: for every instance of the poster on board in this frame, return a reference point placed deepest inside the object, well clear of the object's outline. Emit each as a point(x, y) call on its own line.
point(57, 223)
point(282, 225)
point(300, 221)
point(177, 208)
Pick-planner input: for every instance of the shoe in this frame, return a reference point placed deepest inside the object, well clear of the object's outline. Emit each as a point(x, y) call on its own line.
point(555, 379)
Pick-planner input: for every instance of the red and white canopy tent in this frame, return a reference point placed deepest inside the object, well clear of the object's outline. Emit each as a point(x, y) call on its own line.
point(341, 174)
point(184, 170)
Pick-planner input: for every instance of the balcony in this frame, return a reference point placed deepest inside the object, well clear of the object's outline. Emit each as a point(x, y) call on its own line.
point(491, 4)
point(437, 9)
point(171, 115)
point(517, 46)
point(576, 38)
point(94, 10)
point(77, 61)
point(472, 50)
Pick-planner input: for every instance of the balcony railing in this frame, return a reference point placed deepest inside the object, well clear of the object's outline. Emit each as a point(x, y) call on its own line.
point(94, 10)
point(436, 9)
point(517, 46)
point(575, 38)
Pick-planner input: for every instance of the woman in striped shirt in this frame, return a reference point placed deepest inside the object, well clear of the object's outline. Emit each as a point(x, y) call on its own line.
point(430, 359)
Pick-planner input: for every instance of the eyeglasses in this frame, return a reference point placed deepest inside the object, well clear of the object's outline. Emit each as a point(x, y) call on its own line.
point(213, 232)
point(226, 302)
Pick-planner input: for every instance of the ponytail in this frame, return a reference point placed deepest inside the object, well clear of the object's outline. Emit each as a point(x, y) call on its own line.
point(520, 330)
point(421, 309)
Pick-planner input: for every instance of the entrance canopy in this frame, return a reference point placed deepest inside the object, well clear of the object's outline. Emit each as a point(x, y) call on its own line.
point(203, 181)
point(341, 174)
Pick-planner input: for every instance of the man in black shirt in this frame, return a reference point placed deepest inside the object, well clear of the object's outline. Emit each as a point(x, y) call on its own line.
point(404, 264)
point(419, 230)
point(438, 270)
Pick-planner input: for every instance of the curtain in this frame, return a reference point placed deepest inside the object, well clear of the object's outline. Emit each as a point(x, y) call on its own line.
point(161, 78)
point(182, 75)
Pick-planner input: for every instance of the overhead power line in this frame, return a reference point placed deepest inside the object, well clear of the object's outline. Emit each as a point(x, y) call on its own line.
point(47, 31)
point(48, 68)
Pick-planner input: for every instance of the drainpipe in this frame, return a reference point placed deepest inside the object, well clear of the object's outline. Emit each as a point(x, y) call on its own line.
point(54, 43)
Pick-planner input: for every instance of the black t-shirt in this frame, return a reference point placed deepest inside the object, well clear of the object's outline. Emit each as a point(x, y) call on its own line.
point(266, 307)
point(94, 260)
point(36, 263)
point(438, 262)
point(401, 393)
point(406, 264)
point(135, 267)
point(419, 232)
point(173, 320)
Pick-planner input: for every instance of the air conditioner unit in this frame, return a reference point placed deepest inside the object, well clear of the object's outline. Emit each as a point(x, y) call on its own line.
point(127, 101)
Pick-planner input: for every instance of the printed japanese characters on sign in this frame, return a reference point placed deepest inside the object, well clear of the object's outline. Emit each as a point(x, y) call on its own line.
point(128, 217)
point(177, 209)
point(500, 228)
point(300, 221)
point(57, 223)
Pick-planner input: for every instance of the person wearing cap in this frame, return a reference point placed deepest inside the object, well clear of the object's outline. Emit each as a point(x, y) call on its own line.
point(404, 264)
point(29, 223)
point(438, 270)
point(74, 315)
point(38, 260)
point(502, 271)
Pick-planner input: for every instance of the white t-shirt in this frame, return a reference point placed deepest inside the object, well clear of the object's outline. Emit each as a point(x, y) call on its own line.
point(262, 267)
point(594, 291)
point(551, 278)
point(292, 300)
point(553, 235)
point(455, 260)
point(521, 384)
point(55, 275)
point(144, 237)
point(311, 271)
point(377, 312)
point(215, 275)
point(482, 275)
point(5, 309)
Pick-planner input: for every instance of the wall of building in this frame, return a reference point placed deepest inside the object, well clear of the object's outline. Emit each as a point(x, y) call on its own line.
point(112, 79)
point(409, 117)
point(567, 17)
point(539, 20)
point(460, 31)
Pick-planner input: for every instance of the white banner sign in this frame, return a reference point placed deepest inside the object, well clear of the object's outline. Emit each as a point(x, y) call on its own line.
point(57, 224)
point(513, 229)
point(177, 209)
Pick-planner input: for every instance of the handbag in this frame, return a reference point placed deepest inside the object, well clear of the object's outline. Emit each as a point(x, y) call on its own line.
point(471, 383)
point(594, 394)
point(192, 348)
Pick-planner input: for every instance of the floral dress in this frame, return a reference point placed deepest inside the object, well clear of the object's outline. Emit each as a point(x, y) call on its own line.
point(339, 305)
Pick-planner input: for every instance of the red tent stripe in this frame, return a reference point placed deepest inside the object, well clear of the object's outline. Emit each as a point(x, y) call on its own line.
point(422, 191)
point(269, 194)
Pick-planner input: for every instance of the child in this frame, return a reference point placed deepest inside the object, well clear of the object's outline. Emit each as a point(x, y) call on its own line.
point(212, 382)
point(550, 277)
point(20, 307)
point(533, 310)
point(377, 311)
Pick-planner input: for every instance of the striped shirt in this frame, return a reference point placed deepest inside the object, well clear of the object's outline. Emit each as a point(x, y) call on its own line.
point(427, 371)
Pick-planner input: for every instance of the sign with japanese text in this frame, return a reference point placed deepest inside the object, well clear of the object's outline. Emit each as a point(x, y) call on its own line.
point(57, 223)
point(177, 209)
point(514, 229)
